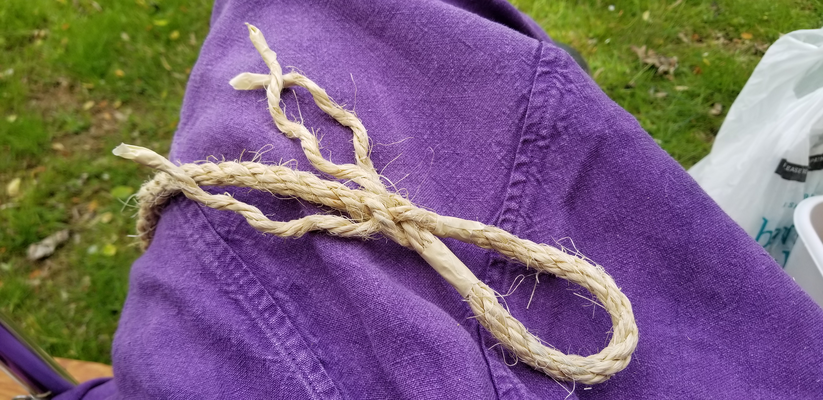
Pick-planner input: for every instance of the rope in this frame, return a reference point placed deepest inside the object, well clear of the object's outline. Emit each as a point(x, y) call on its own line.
point(373, 210)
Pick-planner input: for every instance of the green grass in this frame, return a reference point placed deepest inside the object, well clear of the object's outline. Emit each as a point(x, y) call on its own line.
point(78, 77)
point(721, 52)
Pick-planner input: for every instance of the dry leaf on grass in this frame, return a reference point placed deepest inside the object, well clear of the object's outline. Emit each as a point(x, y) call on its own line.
point(664, 65)
point(13, 187)
point(46, 247)
point(716, 110)
point(760, 48)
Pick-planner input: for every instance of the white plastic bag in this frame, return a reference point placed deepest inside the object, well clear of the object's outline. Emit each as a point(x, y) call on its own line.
point(768, 155)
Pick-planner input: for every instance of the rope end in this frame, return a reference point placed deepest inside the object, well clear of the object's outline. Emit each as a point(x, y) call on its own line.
point(252, 29)
point(126, 151)
point(144, 156)
point(249, 81)
point(259, 42)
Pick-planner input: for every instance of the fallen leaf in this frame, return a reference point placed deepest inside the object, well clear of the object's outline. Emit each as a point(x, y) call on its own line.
point(664, 65)
point(746, 36)
point(57, 146)
point(720, 38)
point(174, 35)
point(124, 36)
point(117, 104)
point(92, 206)
point(683, 37)
point(681, 88)
point(695, 37)
point(119, 73)
point(122, 192)
point(716, 110)
point(36, 273)
point(646, 15)
point(65, 26)
point(106, 217)
point(46, 247)
point(697, 70)
point(88, 105)
point(706, 61)
point(13, 187)
point(11, 118)
point(660, 95)
point(165, 63)
point(640, 51)
point(109, 250)
point(161, 22)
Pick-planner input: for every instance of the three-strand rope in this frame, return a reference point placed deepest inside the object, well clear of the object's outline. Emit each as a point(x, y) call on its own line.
point(373, 210)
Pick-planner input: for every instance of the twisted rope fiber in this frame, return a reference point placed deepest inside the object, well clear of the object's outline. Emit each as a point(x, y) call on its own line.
point(374, 210)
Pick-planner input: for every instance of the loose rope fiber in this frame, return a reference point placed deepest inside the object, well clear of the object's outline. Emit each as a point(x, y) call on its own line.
point(373, 210)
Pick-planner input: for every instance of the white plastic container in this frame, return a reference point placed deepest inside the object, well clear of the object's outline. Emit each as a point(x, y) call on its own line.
point(805, 263)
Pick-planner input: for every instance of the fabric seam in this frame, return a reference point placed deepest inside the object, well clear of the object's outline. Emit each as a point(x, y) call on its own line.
point(264, 325)
point(512, 194)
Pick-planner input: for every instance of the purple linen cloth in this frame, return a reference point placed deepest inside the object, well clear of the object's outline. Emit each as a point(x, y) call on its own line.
point(475, 114)
point(21, 360)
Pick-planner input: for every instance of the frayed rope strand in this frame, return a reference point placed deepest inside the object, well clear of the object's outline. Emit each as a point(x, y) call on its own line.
point(373, 210)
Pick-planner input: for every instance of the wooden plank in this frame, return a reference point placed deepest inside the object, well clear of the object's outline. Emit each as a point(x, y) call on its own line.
point(80, 370)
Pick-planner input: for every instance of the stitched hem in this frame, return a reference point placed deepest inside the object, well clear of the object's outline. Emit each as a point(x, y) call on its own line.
point(242, 285)
point(495, 269)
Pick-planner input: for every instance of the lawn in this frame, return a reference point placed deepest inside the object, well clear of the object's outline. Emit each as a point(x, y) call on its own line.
point(78, 77)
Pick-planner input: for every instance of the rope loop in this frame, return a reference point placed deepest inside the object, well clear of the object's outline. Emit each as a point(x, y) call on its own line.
point(373, 210)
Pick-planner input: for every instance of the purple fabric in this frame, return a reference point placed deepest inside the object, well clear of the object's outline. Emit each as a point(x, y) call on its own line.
point(100, 388)
point(476, 115)
point(18, 358)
